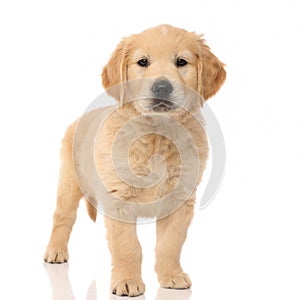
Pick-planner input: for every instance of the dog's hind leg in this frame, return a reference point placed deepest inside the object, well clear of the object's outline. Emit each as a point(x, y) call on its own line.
point(68, 196)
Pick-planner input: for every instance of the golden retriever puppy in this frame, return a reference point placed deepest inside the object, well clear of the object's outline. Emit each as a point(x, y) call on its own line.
point(144, 156)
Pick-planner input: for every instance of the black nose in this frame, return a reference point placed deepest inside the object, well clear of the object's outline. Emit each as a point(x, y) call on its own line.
point(162, 88)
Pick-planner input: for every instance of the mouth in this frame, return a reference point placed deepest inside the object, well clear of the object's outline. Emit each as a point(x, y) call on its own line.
point(159, 105)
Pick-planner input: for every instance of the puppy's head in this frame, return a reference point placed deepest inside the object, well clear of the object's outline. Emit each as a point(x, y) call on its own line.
point(159, 68)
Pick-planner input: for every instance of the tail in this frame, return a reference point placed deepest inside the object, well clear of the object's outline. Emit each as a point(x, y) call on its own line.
point(92, 211)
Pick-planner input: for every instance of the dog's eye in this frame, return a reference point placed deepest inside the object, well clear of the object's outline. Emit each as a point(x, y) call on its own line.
point(181, 62)
point(143, 62)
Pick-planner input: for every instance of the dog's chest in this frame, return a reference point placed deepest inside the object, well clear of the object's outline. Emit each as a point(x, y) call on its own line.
point(145, 161)
point(154, 153)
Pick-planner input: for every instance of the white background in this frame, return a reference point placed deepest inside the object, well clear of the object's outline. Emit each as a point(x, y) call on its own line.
point(246, 244)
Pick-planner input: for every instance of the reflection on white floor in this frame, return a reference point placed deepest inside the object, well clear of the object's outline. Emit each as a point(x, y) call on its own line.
point(62, 288)
point(59, 280)
point(167, 294)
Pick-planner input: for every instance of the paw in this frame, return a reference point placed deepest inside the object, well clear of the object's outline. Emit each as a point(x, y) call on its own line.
point(128, 287)
point(175, 281)
point(56, 256)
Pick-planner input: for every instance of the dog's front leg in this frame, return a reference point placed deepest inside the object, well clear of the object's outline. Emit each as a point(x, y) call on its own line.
point(171, 233)
point(126, 255)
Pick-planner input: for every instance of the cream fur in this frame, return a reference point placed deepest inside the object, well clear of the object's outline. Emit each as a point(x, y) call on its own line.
point(203, 74)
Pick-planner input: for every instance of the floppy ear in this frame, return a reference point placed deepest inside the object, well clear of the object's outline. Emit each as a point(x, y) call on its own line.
point(115, 71)
point(211, 73)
